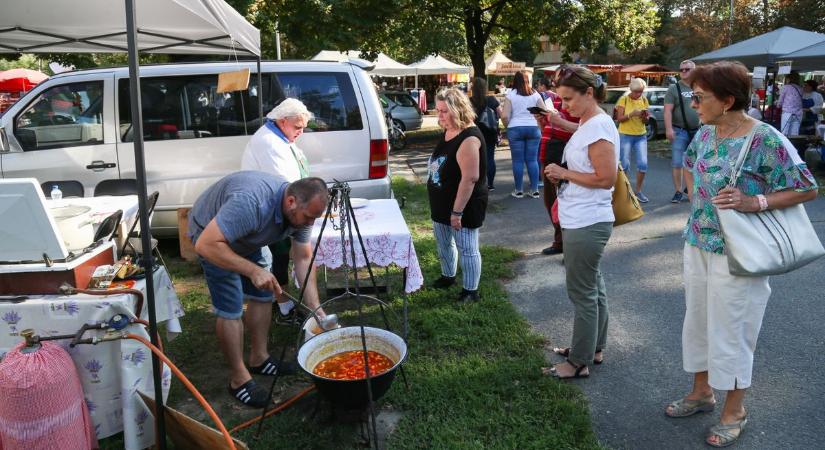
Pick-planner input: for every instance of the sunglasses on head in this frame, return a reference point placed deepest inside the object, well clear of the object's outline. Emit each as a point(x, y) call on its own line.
point(568, 72)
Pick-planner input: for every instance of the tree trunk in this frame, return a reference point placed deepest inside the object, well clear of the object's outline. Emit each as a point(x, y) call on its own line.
point(476, 39)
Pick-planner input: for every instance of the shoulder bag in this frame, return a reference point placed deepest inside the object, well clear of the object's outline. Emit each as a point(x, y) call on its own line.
point(690, 132)
point(626, 207)
point(770, 242)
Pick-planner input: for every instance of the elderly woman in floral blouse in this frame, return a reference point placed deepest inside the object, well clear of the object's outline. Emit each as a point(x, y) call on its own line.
point(724, 312)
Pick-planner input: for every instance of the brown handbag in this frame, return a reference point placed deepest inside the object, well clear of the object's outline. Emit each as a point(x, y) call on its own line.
point(626, 207)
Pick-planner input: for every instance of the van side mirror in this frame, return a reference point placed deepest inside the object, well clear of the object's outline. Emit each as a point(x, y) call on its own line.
point(4, 141)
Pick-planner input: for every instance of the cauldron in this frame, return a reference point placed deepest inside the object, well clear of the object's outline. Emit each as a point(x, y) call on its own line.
point(352, 394)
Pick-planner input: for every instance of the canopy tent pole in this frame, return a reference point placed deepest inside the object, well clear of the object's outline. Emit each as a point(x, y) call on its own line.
point(260, 93)
point(145, 228)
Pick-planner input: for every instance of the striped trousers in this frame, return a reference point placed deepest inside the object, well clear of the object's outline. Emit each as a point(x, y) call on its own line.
point(466, 239)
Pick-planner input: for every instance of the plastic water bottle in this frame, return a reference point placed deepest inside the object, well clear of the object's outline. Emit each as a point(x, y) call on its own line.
point(56, 194)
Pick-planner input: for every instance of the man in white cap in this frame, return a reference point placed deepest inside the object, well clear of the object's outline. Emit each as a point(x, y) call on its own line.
point(272, 149)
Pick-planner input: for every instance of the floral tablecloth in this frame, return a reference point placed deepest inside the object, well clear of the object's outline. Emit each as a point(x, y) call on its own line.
point(111, 372)
point(386, 236)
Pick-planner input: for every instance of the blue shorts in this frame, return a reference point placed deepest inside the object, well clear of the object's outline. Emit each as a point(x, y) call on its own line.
point(229, 289)
point(681, 140)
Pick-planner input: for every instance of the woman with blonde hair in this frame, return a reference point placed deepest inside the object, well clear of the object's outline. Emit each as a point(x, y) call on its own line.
point(458, 200)
point(632, 114)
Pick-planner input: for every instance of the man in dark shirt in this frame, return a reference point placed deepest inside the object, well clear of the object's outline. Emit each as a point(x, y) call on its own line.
point(231, 225)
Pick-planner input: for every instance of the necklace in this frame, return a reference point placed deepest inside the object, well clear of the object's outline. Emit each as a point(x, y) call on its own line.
point(718, 139)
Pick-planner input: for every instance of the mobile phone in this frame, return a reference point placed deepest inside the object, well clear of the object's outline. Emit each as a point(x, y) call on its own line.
point(537, 110)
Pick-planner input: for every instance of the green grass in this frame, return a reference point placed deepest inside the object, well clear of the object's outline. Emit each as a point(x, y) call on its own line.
point(474, 370)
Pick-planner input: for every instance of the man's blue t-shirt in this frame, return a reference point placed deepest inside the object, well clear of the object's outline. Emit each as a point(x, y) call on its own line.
point(247, 207)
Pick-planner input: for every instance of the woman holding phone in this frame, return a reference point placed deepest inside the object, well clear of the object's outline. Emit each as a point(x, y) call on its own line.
point(632, 115)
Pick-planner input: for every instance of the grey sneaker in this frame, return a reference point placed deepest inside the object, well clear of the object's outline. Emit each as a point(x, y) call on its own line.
point(517, 194)
point(642, 197)
point(677, 197)
point(535, 194)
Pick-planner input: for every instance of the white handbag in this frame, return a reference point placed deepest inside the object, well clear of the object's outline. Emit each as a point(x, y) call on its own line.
point(770, 242)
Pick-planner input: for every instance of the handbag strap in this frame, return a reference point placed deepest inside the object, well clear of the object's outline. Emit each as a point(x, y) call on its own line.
point(682, 106)
point(740, 160)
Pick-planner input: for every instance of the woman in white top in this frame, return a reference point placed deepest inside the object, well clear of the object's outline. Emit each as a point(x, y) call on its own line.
point(586, 215)
point(272, 150)
point(523, 133)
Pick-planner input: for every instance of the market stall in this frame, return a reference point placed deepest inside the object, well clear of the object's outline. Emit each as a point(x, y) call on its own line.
point(201, 27)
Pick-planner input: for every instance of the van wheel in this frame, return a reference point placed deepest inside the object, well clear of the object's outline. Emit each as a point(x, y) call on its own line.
point(652, 129)
point(399, 124)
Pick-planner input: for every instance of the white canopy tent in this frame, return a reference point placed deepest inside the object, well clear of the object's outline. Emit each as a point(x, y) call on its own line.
point(106, 26)
point(99, 26)
point(436, 65)
point(382, 66)
point(388, 67)
point(492, 62)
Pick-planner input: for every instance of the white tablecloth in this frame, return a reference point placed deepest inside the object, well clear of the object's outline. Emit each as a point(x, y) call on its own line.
point(386, 238)
point(102, 207)
point(111, 372)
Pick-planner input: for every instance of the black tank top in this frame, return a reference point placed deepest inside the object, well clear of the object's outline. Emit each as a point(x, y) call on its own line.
point(445, 176)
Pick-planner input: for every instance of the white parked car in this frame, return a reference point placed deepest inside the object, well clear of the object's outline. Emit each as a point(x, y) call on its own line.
point(78, 126)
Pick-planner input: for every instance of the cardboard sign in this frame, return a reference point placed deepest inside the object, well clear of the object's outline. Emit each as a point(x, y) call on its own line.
point(233, 81)
point(784, 67)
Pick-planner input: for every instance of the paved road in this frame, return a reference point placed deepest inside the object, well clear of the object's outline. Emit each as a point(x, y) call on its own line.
point(643, 370)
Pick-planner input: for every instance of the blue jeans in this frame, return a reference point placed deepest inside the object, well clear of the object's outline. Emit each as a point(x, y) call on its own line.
point(681, 140)
point(230, 289)
point(638, 146)
point(491, 160)
point(524, 149)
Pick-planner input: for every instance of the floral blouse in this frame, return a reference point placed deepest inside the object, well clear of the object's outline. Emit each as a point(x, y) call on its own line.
point(769, 167)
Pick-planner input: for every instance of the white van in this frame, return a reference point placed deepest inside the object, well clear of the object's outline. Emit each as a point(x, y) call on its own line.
point(77, 126)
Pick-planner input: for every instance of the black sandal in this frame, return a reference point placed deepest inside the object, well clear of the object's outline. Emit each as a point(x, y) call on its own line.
point(577, 374)
point(250, 394)
point(271, 368)
point(566, 353)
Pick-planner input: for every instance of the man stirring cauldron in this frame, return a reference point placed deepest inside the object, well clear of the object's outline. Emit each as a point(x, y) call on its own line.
point(231, 225)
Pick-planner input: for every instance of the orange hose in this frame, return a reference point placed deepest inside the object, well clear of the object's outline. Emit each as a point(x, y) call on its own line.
point(227, 437)
point(144, 322)
point(276, 410)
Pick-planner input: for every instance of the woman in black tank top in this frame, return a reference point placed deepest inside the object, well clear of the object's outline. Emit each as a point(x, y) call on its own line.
point(458, 198)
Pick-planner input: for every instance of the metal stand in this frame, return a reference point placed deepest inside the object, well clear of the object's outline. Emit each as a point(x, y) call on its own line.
point(339, 200)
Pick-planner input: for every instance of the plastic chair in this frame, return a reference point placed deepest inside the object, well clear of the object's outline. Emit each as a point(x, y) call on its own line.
point(125, 186)
point(108, 228)
point(70, 188)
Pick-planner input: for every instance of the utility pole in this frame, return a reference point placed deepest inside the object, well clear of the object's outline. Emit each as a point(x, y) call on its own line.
point(730, 25)
point(277, 41)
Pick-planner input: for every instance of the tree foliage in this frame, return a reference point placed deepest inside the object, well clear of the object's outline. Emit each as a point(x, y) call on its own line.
point(462, 30)
point(692, 27)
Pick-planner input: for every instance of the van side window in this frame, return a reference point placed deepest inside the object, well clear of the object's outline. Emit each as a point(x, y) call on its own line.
point(68, 115)
point(329, 96)
point(187, 107)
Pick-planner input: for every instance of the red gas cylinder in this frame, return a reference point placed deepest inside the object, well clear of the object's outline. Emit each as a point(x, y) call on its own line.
point(41, 401)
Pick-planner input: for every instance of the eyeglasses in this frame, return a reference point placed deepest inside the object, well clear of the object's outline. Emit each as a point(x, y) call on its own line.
point(685, 69)
point(637, 92)
point(696, 98)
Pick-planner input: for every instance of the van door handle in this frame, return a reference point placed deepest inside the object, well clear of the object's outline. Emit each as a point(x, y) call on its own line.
point(99, 166)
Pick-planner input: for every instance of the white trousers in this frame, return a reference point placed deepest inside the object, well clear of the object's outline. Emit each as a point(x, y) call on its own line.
point(790, 124)
point(723, 315)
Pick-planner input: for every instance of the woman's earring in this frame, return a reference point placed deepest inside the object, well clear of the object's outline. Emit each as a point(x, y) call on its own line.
point(724, 111)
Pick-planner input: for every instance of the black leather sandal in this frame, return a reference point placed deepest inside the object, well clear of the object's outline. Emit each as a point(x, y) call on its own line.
point(577, 374)
point(566, 353)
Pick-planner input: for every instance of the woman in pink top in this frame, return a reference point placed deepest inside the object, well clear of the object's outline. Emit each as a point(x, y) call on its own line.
point(790, 100)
